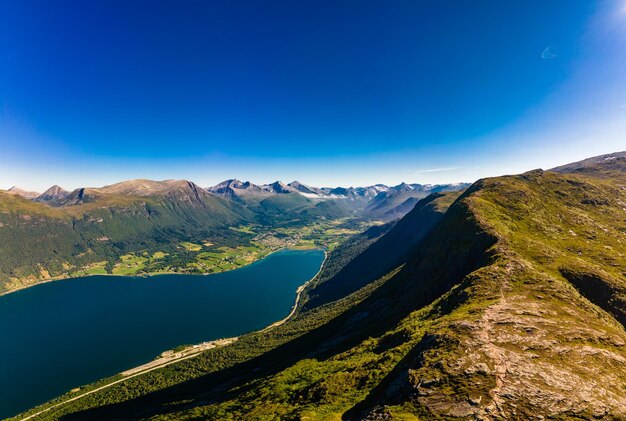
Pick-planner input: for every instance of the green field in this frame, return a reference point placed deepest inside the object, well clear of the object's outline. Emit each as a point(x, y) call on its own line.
point(208, 256)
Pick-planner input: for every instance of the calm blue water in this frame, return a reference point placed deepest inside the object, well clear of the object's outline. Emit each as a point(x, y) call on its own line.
point(60, 335)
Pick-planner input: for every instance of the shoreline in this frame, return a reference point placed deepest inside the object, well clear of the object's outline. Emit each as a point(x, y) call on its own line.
point(142, 369)
point(299, 292)
point(149, 275)
point(164, 359)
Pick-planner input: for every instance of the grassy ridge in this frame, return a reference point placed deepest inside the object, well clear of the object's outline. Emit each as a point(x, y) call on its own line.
point(379, 257)
point(524, 260)
point(508, 307)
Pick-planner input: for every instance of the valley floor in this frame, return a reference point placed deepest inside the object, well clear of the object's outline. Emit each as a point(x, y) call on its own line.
point(207, 257)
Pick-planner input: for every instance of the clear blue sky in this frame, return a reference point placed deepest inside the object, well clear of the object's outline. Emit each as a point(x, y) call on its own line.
point(326, 92)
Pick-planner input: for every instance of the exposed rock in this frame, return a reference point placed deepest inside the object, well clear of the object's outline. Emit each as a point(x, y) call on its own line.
point(54, 195)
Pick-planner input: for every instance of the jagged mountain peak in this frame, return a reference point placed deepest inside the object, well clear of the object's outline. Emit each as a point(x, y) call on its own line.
point(54, 194)
point(55, 190)
point(235, 187)
point(303, 188)
point(279, 187)
point(406, 187)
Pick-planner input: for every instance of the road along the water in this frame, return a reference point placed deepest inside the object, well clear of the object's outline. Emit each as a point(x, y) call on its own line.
point(62, 335)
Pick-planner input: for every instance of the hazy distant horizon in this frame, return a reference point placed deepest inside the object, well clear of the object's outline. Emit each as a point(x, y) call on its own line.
point(72, 186)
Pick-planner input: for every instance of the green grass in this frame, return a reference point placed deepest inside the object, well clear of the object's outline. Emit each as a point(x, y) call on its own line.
point(493, 302)
point(191, 246)
point(245, 229)
point(129, 265)
point(482, 293)
point(98, 268)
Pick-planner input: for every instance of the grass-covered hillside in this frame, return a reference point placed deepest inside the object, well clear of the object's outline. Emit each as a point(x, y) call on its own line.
point(142, 226)
point(39, 242)
point(510, 306)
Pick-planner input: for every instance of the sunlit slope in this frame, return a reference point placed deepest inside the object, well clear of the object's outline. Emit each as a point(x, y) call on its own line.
point(534, 270)
point(510, 307)
point(39, 242)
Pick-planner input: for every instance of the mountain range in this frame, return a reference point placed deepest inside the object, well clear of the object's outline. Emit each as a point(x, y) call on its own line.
point(49, 235)
point(504, 301)
point(377, 201)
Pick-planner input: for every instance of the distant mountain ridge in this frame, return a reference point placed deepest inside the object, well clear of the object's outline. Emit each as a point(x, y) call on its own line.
point(378, 200)
point(25, 194)
point(41, 235)
point(596, 164)
point(54, 194)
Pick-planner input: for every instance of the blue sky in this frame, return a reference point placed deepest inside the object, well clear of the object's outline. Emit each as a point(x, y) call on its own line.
point(326, 92)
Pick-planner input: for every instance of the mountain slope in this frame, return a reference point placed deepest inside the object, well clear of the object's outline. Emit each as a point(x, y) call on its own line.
point(93, 225)
point(387, 253)
point(53, 196)
point(516, 335)
point(509, 307)
point(23, 193)
point(522, 341)
point(596, 165)
point(62, 234)
point(372, 202)
point(397, 201)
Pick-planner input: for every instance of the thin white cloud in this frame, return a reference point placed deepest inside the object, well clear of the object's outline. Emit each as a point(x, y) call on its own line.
point(547, 54)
